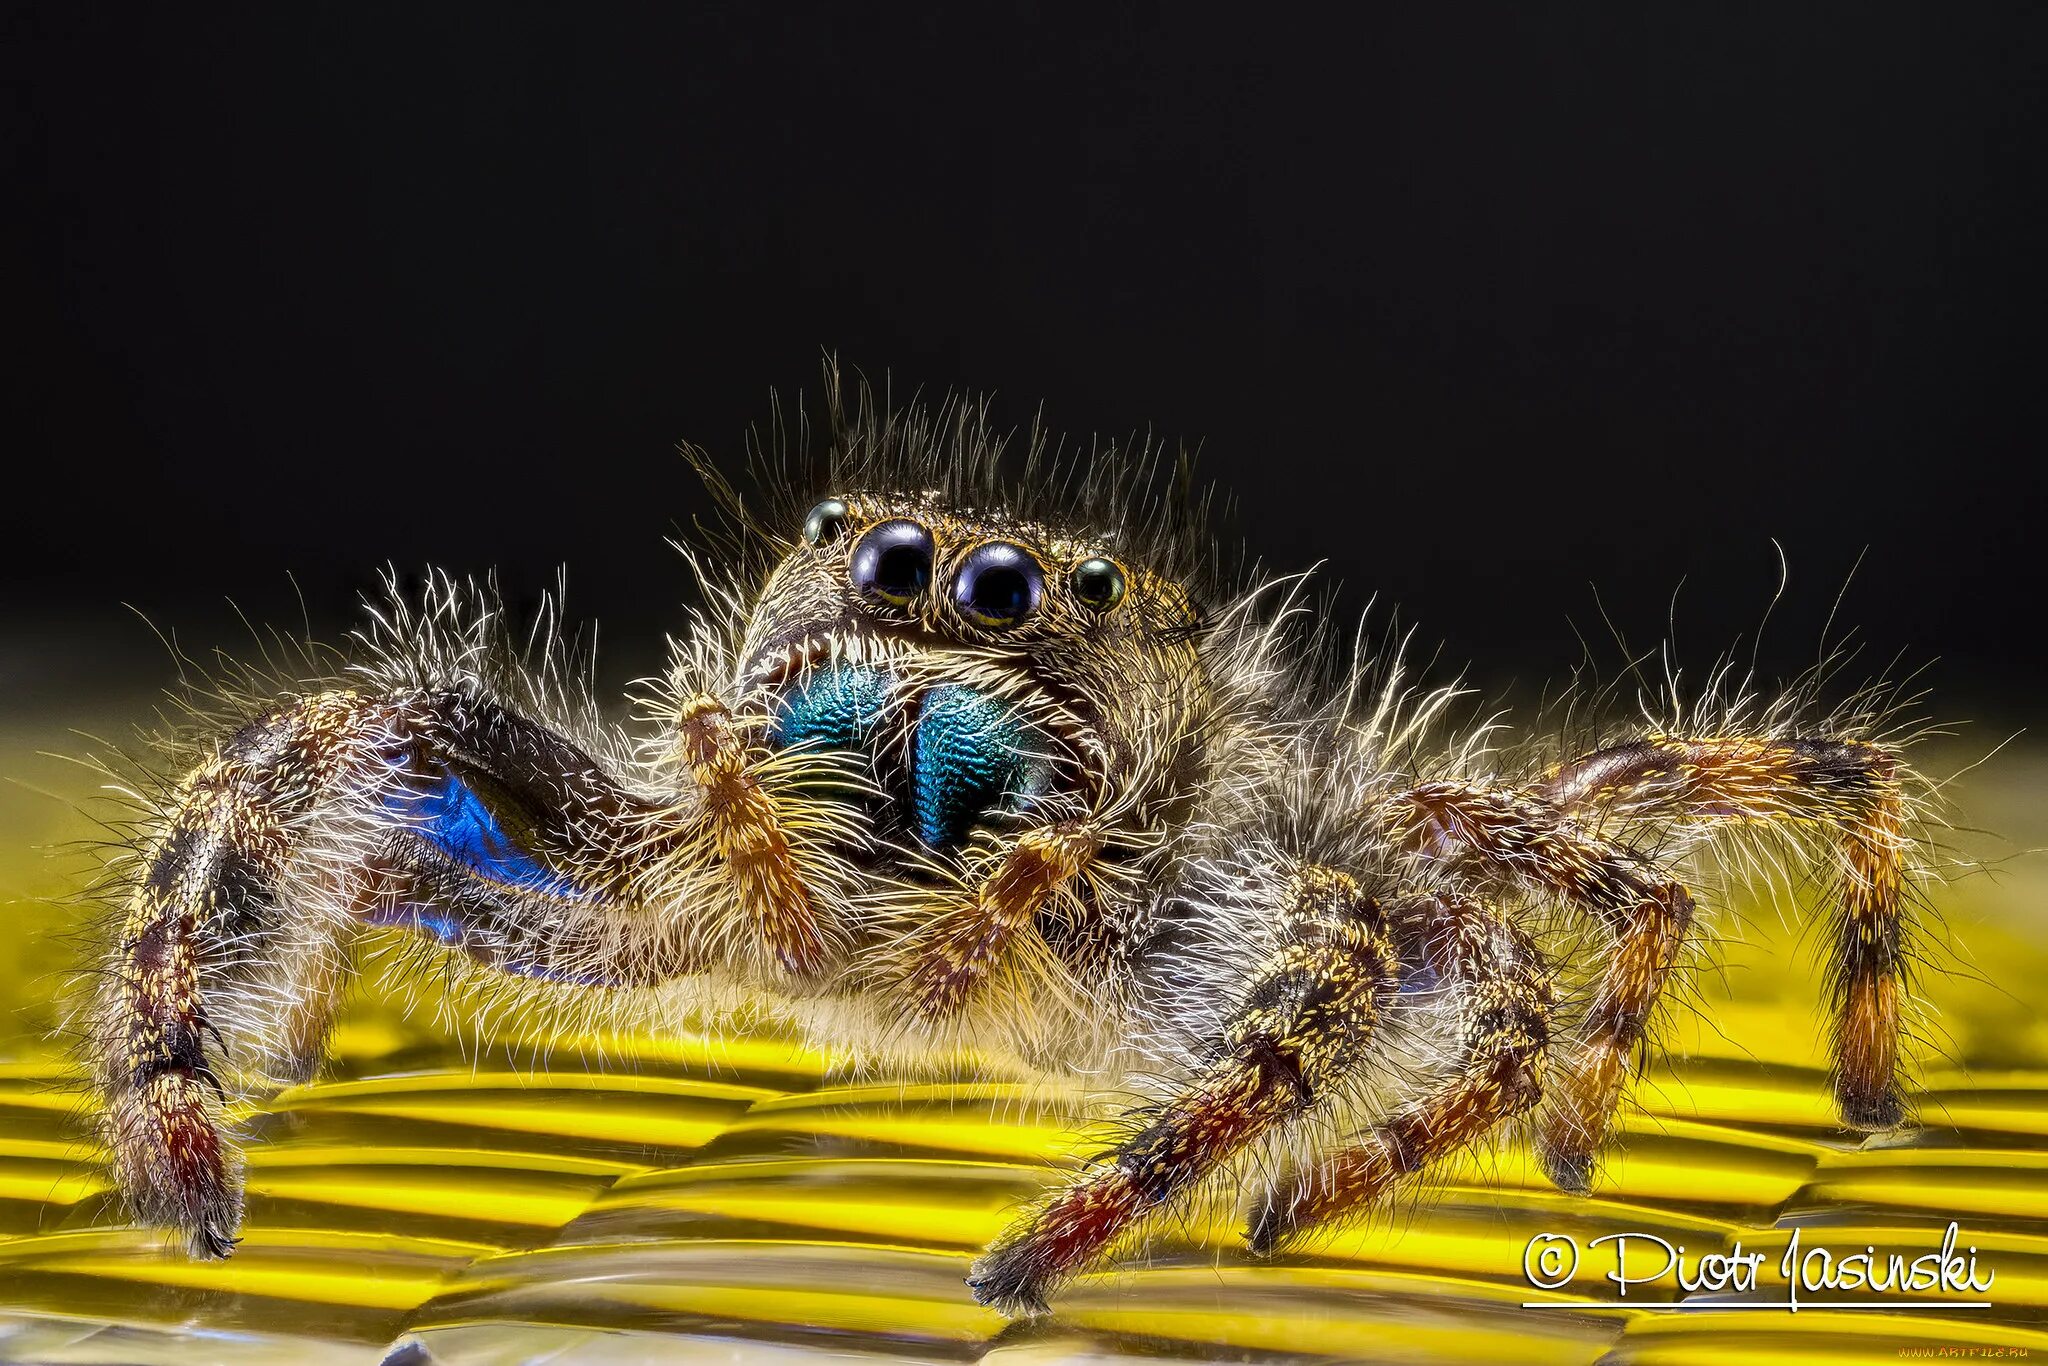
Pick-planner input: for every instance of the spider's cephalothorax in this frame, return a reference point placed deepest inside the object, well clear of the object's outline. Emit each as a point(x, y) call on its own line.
point(968, 763)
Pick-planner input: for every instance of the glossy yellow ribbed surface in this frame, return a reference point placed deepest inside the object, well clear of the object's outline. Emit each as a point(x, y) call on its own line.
point(719, 1199)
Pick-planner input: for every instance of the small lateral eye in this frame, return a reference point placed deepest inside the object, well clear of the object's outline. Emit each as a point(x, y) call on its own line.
point(827, 522)
point(1098, 583)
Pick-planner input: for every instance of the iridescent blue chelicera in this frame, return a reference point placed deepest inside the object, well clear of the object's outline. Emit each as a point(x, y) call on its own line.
point(971, 755)
point(974, 756)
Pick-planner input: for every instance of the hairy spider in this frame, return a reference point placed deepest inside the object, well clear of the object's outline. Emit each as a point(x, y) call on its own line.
point(962, 761)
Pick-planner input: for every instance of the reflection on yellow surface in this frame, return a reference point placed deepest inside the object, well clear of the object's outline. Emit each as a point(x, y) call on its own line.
point(715, 1197)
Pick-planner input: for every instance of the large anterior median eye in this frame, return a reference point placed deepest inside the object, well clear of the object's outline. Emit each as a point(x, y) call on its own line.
point(893, 562)
point(999, 584)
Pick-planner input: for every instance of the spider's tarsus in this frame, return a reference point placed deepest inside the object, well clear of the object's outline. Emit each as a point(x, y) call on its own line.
point(1871, 1114)
point(1008, 1285)
point(1571, 1173)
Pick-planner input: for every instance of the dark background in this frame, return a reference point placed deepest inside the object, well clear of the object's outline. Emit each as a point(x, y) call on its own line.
point(1482, 307)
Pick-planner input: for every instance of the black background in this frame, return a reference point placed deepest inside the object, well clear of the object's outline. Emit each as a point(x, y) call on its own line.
point(1481, 306)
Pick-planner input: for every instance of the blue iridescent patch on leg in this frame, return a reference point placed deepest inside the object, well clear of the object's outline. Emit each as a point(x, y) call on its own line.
point(973, 756)
point(448, 814)
point(444, 927)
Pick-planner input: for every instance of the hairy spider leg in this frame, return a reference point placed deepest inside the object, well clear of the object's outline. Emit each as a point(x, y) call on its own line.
point(329, 814)
point(1849, 785)
point(1504, 1036)
point(1530, 838)
point(1301, 1024)
point(207, 895)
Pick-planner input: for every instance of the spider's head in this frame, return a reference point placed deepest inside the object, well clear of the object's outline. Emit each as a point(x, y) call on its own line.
point(987, 665)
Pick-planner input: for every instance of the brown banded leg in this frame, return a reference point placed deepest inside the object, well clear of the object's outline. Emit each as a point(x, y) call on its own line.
point(748, 836)
point(225, 843)
point(1504, 1019)
point(1303, 1022)
point(951, 957)
point(1849, 785)
point(1869, 975)
point(308, 823)
point(1529, 837)
point(1580, 1104)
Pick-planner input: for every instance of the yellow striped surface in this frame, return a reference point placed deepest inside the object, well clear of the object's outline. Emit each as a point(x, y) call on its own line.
point(712, 1199)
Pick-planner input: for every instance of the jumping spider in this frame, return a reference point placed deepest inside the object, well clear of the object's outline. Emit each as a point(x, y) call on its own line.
point(964, 761)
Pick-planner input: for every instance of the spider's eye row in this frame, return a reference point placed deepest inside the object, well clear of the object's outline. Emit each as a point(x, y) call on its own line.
point(827, 522)
point(999, 584)
point(1098, 583)
point(892, 562)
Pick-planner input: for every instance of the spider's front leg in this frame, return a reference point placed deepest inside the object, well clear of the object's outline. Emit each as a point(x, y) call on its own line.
point(439, 811)
point(1302, 1023)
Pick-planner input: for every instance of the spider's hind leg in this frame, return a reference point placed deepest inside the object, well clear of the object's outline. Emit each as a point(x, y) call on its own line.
point(1545, 837)
point(1856, 788)
point(1528, 838)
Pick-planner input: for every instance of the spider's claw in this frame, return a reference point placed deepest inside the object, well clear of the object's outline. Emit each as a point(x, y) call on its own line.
point(1264, 1232)
point(212, 1242)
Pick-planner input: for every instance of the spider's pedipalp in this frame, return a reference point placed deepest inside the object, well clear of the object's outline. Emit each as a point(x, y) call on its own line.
point(955, 953)
point(748, 834)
